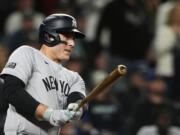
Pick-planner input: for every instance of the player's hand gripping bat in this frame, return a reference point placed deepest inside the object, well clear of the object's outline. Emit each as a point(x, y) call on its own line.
point(116, 74)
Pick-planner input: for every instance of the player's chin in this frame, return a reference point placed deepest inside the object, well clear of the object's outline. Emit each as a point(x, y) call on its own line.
point(66, 58)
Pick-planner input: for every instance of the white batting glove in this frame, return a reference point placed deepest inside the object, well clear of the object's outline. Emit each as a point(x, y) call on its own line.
point(58, 117)
point(77, 114)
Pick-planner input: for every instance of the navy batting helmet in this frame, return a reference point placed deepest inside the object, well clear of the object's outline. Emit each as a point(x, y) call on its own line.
point(55, 24)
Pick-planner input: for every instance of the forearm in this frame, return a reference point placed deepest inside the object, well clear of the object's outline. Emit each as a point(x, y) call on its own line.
point(15, 94)
point(40, 111)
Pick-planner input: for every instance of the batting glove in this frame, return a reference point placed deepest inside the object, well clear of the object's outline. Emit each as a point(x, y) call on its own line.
point(77, 114)
point(58, 117)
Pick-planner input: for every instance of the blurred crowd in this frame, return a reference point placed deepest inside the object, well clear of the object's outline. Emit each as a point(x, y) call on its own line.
point(144, 35)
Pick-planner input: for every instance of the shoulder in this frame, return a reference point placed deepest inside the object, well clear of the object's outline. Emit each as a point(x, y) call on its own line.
point(70, 72)
point(23, 52)
point(25, 49)
point(73, 76)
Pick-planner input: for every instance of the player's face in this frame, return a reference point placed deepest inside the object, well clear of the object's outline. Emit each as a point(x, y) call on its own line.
point(62, 52)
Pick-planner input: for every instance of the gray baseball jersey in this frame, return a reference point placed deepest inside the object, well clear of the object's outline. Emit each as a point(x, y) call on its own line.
point(48, 82)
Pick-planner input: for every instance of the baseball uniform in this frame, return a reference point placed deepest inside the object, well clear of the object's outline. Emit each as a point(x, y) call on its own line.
point(45, 80)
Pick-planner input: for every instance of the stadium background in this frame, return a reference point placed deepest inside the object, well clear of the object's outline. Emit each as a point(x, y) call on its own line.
point(144, 35)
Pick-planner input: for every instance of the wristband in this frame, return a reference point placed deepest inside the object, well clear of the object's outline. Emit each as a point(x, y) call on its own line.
point(68, 112)
point(47, 114)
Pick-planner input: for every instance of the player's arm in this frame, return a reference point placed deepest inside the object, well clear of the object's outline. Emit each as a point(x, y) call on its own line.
point(15, 94)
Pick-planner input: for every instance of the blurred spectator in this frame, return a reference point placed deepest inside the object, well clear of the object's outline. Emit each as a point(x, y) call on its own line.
point(162, 126)
point(14, 20)
point(3, 56)
point(93, 9)
point(136, 90)
point(47, 7)
point(124, 33)
point(65, 6)
point(3, 60)
point(84, 127)
point(106, 114)
point(145, 109)
point(26, 35)
point(152, 7)
point(6, 7)
point(98, 70)
point(166, 44)
point(126, 21)
point(175, 17)
point(164, 9)
point(68, 130)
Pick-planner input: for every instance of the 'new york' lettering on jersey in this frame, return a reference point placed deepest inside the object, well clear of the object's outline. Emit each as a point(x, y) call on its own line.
point(51, 83)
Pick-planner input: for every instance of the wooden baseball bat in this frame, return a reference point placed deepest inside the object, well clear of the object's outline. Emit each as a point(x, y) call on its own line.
point(116, 74)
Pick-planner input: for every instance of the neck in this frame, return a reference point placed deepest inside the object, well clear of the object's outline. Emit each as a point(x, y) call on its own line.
point(46, 51)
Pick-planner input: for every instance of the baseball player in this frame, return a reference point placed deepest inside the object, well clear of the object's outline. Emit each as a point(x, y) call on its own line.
point(42, 94)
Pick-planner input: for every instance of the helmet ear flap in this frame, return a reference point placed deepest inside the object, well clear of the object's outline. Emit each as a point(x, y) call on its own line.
point(48, 37)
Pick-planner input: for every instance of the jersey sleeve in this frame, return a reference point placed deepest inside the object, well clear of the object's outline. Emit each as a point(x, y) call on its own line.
point(20, 64)
point(78, 84)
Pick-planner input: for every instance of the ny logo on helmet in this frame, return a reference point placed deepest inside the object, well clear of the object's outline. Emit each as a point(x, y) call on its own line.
point(74, 23)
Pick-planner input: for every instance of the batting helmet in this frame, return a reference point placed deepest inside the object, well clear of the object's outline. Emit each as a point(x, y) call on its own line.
point(55, 24)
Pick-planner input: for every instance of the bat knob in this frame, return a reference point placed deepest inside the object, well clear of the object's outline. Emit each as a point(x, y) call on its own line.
point(122, 69)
